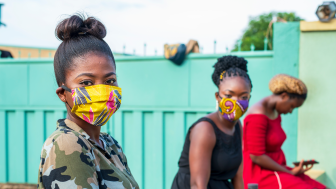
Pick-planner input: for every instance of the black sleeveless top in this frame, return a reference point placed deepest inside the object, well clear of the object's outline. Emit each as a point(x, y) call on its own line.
point(225, 160)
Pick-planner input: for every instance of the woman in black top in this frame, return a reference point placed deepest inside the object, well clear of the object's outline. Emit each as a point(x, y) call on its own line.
point(212, 152)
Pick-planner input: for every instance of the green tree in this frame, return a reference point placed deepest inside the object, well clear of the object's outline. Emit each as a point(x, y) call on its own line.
point(260, 27)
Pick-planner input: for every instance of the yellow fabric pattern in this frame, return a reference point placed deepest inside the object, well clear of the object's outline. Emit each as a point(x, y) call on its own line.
point(170, 50)
point(232, 110)
point(95, 104)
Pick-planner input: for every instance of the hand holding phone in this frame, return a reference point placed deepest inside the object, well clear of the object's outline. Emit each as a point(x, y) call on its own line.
point(307, 162)
point(299, 169)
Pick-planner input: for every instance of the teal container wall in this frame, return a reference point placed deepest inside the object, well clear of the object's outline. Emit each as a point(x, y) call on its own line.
point(160, 102)
point(286, 60)
point(316, 137)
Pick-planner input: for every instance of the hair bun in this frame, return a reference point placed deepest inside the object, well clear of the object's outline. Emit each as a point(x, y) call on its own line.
point(286, 83)
point(230, 65)
point(227, 62)
point(77, 25)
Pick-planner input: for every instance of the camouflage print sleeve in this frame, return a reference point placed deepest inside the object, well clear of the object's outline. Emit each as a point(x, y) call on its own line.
point(123, 157)
point(67, 162)
point(126, 165)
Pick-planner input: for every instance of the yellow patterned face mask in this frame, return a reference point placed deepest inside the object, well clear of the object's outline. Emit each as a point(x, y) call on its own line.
point(232, 110)
point(95, 104)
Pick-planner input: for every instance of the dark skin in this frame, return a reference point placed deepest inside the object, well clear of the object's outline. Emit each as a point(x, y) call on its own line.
point(272, 106)
point(203, 138)
point(90, 69)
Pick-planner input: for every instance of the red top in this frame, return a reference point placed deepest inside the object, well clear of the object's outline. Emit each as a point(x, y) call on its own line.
point(261, 136)
point(265, 136)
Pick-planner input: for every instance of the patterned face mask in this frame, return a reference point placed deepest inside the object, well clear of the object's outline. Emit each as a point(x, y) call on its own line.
point(232, 110)
point(95, 104)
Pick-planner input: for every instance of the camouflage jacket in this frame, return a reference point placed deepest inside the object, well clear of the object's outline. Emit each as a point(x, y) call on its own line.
point(70, 159)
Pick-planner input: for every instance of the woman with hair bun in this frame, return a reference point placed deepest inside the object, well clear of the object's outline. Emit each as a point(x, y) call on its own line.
point(77, 154)
point(212, 154)
point(264, 161)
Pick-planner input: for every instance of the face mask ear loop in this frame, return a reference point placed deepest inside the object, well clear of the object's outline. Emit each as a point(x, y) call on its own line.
point(69, 90)
point(68, 105)
point(66, 88)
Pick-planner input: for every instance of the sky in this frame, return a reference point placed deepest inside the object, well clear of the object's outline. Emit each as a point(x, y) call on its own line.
point(132, 23)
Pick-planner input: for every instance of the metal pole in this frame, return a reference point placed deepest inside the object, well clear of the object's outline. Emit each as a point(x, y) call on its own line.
point(239, 45)
point(1, 4)
point(145, 49)
point(124, 49)
point(215, 47)
point(265, 44)
point(252, 47)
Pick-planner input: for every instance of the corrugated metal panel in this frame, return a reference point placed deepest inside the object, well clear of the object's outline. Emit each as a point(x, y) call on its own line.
point(160, 103)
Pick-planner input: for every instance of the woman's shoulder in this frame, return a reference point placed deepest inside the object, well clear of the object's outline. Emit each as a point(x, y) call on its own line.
point(109, 139)
point(203, 128)
point(204, 124)
point(257, 108)
point(114, 148)
point(64, 141)
point(68, 152)
point(256, 111)
point(64, 132)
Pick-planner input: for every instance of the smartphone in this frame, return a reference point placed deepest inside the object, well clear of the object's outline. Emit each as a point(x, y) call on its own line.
point(307, 162)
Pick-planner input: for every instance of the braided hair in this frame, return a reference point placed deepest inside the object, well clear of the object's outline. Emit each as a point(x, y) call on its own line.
point(230, 66)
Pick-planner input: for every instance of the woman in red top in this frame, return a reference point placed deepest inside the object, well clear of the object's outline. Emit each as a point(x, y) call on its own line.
point(264, 161)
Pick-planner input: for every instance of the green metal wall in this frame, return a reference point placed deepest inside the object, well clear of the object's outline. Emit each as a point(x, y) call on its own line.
point(316, 136)
point(286, 60)
point(160, 102)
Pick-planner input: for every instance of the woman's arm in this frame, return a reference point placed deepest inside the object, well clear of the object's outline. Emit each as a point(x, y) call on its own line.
point(202, 142)
point(266, 162)
point(255, 140)
point(238, 182)
point(66, 162)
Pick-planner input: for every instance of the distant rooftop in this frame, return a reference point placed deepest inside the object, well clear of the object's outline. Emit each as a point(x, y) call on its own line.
point(36, 52)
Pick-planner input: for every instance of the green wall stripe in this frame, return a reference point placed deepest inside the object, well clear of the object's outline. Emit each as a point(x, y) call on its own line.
point(25, 147)
point(163, 151)
point(3, 145)
point(7, 147)
point(143, 149)
point(286, 60)
point(16, 148)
